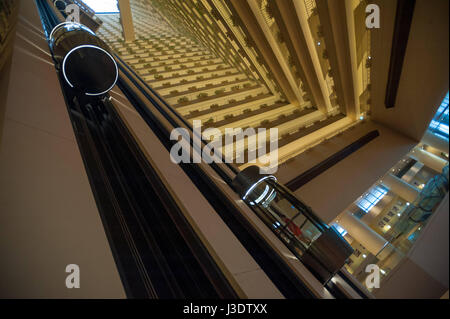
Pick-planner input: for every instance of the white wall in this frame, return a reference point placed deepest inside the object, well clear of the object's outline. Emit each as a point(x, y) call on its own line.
point(424, 78)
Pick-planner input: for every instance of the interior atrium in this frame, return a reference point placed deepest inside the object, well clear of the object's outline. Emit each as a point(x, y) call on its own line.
point(314, 136)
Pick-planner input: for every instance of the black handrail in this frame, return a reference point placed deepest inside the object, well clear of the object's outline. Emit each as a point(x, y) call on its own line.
point(129, 71)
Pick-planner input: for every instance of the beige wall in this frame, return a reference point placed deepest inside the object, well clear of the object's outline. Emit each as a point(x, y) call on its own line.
point(424, 79)
point(423, 85)
point(48, 216)
point(432, 247)
point(410, 281)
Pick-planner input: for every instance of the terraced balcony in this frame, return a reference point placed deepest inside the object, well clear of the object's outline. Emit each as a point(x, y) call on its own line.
point(200, 85)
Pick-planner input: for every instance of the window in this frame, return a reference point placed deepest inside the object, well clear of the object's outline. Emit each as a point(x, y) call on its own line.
point(103, 6)
point(372, 198)
point(439, 125)
point(340, 230)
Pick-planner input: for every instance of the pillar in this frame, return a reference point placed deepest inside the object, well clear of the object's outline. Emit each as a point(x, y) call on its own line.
point(335, 32)
point(293, 14)
point(429, 159)
point(401, 188)
point(127, 20)
point(262, 41)
point(366, 236)
point(435, 141)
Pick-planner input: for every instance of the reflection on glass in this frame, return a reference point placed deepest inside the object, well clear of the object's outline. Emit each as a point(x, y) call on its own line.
point(287, 218)
point(439, 125)
point(400, 223)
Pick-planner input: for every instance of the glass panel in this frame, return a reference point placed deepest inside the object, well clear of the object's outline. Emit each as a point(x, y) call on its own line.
point(340, 229)
point(398, 222)
point(439, 125)
point(286, 215)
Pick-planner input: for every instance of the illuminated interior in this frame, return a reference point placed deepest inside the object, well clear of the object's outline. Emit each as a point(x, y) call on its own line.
point(103, 6)
point(360, 176)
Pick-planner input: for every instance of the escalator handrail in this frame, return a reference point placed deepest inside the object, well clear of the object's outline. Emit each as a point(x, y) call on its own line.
point(174, 112)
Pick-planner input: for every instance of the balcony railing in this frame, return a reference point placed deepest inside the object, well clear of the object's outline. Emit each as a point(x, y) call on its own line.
point(310, 7)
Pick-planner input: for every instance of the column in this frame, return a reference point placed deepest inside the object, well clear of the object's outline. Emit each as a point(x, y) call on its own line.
point(365, 235)
point(127, 20)
point(332, 16)
point(428, 159)
point(435, 141)
point(293, 14)
point(401, 188)
point(290, 80)
point(275, 63)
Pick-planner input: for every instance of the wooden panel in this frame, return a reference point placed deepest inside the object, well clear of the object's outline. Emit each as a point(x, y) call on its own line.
point(403, 19)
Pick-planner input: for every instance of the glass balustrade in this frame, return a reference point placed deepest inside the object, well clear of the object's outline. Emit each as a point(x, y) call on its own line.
point(320, 247)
